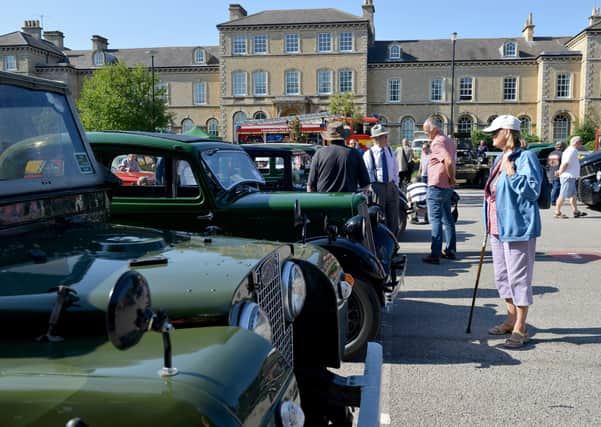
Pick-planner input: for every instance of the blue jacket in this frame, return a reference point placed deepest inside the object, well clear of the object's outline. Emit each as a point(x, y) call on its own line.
point(518, 216)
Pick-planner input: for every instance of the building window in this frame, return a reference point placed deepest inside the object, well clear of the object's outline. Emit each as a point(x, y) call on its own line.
point(407, 128)
point(436, 90)
point(259, 115)
point(292, 82)
point(199, 56)
point(510, 89)
point(10, 63)
point(239, 45)
point(563, 85)
point(346, 42)
point(561, 127)
point(200, 93)
point(260, 44)
point(345, 81)
point(292, 45)
point(260, 83)
point(324, 42)
point(187, 124)
point(394, 52)
point(394, 90)
point(163, 91)
point(466, 88)
point(324, 82)
point(525, 125)
point(464, 125)
point(239, 83)
point(491, 119)
point(98, 59)
point(510, 49)
point(213, 127)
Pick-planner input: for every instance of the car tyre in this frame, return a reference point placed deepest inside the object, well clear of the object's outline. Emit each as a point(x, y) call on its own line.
point(402, 222)
point(363, 320)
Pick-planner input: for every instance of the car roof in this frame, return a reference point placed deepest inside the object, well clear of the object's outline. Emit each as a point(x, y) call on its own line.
point(277, 146)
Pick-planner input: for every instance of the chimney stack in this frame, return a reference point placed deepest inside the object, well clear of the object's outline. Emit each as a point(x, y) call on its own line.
point(528, 30)
point(595, 17)
point(99, 43)
point(55, 37)
point(236, 12)
point(369, 11)
point(33, 28)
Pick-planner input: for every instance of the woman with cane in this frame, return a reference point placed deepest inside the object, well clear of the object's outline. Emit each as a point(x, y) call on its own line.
point(513, 222)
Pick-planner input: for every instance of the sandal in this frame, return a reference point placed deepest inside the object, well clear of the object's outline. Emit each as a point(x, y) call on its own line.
point(559, 215)
point(501, 329)
point(516, 340)
point(579, 214)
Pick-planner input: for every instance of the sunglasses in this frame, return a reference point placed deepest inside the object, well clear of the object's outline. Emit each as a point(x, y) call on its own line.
point(495, 133)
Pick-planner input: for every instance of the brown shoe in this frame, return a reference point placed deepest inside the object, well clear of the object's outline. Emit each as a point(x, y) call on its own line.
point(516, 340)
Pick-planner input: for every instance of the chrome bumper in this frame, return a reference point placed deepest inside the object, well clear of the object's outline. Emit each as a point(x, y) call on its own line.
point(369, 411)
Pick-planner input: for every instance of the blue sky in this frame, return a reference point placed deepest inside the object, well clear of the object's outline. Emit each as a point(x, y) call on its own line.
point(150, 23)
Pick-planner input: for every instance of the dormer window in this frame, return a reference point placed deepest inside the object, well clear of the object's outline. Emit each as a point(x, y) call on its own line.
point(98, 58)
point(394, 52)
point(510, 49)
point(199, 56)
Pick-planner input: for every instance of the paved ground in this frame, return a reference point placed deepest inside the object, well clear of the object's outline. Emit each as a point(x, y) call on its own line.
point(437, 374)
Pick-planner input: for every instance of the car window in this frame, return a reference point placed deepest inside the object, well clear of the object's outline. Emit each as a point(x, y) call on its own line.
point(231, 167)
point(301, 164)
point(187, 186)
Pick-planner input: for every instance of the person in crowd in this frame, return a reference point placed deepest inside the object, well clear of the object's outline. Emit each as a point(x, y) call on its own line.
point(404, 158)
point(337, 168)
point(441, 179)
point(512, 220)
point(384, 176)
point(481, 153)
point(568, 173)
point(416, 195)
point(553, 163)
point(423, 163)
point(129, 164)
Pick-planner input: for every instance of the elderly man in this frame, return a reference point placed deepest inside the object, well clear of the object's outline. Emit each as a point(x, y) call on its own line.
point(441, 179)
point(384, 176)
point(568, 173)
point(404, 157)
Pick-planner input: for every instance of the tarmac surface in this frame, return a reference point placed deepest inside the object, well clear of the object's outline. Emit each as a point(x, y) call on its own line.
point(435, 374)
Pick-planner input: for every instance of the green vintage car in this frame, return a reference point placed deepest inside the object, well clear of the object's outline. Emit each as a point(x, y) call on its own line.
point(108, 325)
point(199, 183)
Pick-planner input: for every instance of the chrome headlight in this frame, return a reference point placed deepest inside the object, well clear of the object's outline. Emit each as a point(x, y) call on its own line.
point(354, 228)
point(291, 414)
point(294, 289)
point(252, 318)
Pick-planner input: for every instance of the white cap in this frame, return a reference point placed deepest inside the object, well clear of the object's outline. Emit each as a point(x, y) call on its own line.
point(378, 130)
point(505, 121)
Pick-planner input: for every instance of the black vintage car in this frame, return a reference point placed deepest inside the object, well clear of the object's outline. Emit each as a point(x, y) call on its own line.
point(589, 183)
point(469, 167)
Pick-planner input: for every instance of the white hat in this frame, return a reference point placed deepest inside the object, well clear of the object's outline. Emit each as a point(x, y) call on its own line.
point(378, 130)
point(505, 121)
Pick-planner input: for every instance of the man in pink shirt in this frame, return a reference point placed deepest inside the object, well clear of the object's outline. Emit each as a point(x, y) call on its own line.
point(441, 179)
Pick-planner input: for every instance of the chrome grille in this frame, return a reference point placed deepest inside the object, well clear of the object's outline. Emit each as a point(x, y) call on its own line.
point(269, 297)
point(369, 238)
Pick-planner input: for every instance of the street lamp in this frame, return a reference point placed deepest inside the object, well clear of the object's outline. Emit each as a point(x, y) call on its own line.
point(453, 40)
point(152, 52)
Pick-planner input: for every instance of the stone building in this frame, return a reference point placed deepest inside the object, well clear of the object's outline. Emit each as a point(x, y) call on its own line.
point(286, 62)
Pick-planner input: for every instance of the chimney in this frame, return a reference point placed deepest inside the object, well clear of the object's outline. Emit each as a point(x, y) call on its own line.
point(33, 28)
point(99, 43)
point(595, 17)
point(528, 30)
point(57, 38)
point(368, 12)
point(236, 12)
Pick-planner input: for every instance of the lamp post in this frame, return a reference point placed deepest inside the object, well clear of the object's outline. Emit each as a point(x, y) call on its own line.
point(453, 40)
point(152, 118)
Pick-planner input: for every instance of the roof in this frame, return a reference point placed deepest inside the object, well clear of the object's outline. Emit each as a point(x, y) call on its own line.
point(465, 49)
point(163, 56)
point(19, 38)
point(169, 141)
point(279, 147)
point(294, 17)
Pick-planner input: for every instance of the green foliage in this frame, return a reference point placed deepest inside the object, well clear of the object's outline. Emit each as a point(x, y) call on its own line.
point(343, 104)
point(586, 130)
point(478, 135)
point(119, 98)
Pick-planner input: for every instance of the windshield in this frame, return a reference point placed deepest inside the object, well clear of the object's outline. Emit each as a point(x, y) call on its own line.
point(231, 167)
point(39, 137)
point(418, 143)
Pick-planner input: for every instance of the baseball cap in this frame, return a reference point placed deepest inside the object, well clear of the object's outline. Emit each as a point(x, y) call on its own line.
point(505, 121)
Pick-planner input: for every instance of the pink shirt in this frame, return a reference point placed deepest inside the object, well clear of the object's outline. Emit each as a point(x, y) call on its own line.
point(441, 147)
point(490, 192)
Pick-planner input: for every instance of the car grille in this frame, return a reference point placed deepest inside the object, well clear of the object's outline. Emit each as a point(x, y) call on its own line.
point(269, 296)
point(369, 238)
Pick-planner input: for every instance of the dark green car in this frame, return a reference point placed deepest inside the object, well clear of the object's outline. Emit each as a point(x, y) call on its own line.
point(108, 325)
point(186, 183)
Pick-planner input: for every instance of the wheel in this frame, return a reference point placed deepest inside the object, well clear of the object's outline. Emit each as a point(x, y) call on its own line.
point(402, 222)
point(363, 319)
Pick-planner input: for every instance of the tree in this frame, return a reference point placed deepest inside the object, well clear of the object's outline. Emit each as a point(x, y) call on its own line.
point(343, 104)
point(586, 130)
point(119, 98)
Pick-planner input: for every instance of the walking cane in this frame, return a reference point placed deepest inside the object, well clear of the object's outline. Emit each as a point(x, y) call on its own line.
point(482, 249)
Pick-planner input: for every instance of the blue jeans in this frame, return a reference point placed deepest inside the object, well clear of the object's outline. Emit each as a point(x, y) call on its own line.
point(555, 190)
point(441, 219)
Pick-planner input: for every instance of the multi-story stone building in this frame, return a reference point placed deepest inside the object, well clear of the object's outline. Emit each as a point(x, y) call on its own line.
point(286, 62)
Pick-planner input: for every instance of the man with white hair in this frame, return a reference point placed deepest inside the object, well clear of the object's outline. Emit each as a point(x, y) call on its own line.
point(568, 173)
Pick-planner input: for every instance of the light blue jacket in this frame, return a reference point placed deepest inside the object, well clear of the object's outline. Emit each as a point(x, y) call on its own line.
point(518, 216)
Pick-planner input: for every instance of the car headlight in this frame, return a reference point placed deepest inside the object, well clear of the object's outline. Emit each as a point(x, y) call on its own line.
point(294, 289)
point(291, 414)
point(354, 228)
point(252, 318)
point(375, 216)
